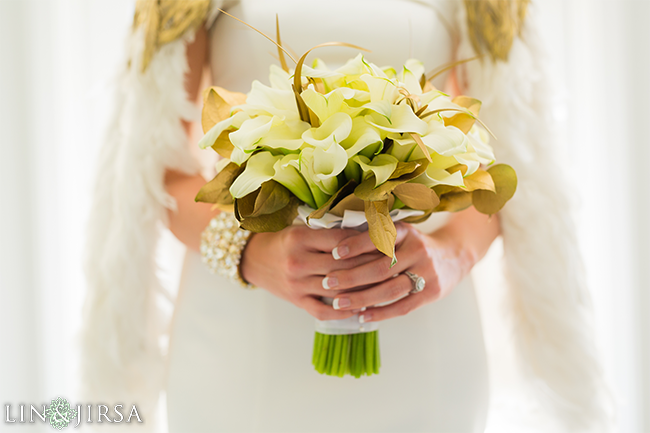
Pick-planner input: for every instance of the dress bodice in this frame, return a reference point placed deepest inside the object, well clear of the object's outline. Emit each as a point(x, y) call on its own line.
point(393, 30)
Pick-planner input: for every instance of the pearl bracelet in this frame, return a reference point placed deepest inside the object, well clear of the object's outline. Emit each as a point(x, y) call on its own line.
point(222, 243)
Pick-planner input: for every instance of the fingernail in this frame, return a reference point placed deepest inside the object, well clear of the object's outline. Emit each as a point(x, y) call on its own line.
point(329, 282)
point(340, 303)
point(356, 310)
point(363, 309)
point(365, 317)
point(340, 252)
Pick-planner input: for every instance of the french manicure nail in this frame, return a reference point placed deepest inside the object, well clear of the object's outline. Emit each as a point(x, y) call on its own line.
point(363, 309)
point(365, 317)
point(329, 282)
point(340, 303)
point(339, 252)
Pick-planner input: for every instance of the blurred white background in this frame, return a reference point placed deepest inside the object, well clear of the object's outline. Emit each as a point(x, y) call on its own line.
point(57, 63)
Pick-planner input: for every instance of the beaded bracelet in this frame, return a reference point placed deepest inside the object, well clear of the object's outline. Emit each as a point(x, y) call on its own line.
point(222, 243)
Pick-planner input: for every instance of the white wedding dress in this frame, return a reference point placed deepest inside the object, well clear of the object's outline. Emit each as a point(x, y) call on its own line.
point(240, 360)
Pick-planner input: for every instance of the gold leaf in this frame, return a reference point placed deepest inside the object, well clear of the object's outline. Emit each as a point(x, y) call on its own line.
point(303, 110)
point(222, 145)
point(273, 222)
point(218, 189)
point(351, 202)
point(367, 191)
point(445, 189)
point(416, 219)
point(505, 182)
point(217, 105)
point(454, 201)
point(271, 198)
point(464, 121)
point(380, 227)
point(423, 81)
point(404, 168)
point(283, 61)
point(416, 196)
point(480, 179)
point(458, 167)
point(339, 195)
point(421, 145)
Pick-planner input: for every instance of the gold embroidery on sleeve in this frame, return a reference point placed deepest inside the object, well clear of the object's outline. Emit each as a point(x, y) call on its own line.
point(165, 21)
point(494, 24)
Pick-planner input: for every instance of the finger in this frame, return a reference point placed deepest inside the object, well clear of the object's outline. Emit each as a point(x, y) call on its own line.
point(400, 308)
point(323, 311)
point(372, 272)
point(314, 286)
point(317, 239)
point(305, 264)
point(361, 243)
point(389, 291)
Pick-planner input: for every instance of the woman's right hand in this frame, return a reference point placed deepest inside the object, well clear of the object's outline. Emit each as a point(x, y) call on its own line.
point(292, 265)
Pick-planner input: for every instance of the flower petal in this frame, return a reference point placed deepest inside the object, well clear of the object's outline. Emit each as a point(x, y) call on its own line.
point(362, 136)
point(402, 119)
point(251, 131)
point(235, 121)
point(290, 177)
point(279, 79)
point(287, 135)
point(334, 130)
point(258, 170)
point(445, 140)
point(381, 165)
point(263, 99)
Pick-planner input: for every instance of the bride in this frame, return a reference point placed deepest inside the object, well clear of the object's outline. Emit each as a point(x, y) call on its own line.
point(237, 359)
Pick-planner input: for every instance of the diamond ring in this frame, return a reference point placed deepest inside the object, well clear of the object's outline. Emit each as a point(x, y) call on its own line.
point(418, 282)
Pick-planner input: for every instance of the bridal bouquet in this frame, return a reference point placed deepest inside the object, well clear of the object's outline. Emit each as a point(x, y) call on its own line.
point(360, 143)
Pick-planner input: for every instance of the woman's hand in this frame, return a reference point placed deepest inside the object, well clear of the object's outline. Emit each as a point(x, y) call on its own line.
point(292, 265)
point(443, 259)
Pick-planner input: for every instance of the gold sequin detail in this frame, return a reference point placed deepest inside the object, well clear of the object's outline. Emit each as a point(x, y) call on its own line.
point(165, 21)
point(494, 24)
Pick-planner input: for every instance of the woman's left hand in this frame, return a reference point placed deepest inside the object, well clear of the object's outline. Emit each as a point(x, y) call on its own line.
point(439, 258)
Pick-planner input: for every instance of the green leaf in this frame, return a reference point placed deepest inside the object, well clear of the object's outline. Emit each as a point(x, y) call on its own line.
point(218, 189)
point(505, 182)
point(381, 227)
